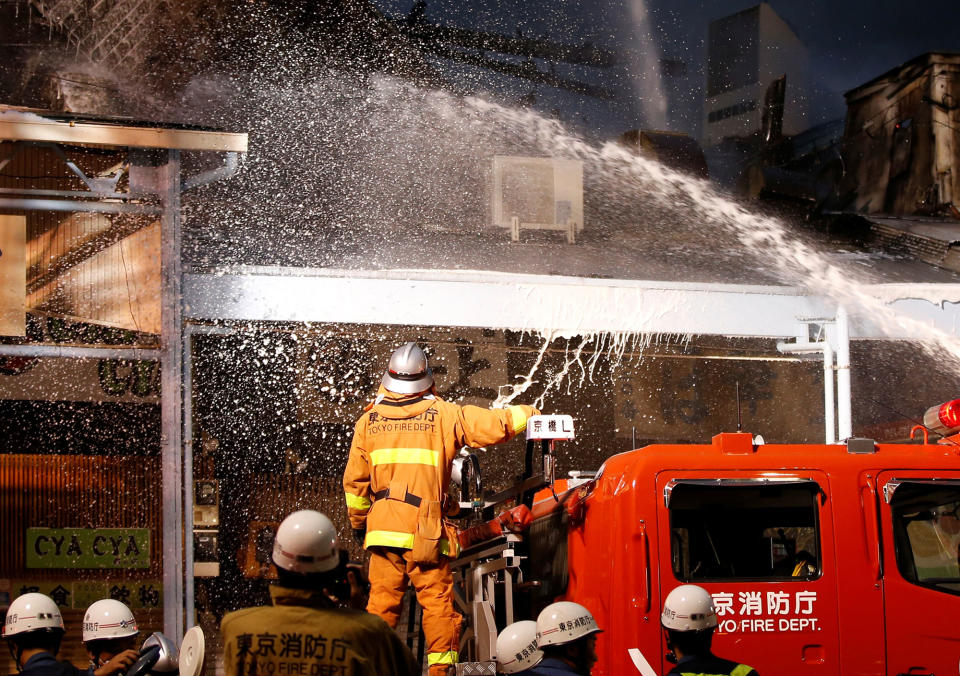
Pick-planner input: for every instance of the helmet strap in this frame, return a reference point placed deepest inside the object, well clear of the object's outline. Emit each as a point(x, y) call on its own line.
point(15, 652)
point(671, 656)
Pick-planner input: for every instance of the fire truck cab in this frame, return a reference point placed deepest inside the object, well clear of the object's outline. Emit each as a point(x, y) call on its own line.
point(821, 559)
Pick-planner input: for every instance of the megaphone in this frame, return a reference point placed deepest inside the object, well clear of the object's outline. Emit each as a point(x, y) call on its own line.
point(159, 656)
point(166, 665)
point(148, 657)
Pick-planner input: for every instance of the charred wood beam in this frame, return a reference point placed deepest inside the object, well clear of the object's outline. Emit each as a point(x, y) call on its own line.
point(541, 48)
point(527, 71)
point(942, 105)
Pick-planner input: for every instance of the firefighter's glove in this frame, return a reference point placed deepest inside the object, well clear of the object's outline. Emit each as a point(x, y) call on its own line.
point(515, 520)
point(359, 534)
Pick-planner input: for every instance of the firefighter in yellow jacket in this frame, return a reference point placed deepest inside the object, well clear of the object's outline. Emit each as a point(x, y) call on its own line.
point(304, 633)
point(395, 483)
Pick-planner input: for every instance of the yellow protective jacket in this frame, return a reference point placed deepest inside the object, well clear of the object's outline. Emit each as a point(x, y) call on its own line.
point(402, 451)
point(303, 634)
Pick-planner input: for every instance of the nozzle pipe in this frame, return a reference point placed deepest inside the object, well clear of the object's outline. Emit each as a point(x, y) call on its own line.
point(829, 405)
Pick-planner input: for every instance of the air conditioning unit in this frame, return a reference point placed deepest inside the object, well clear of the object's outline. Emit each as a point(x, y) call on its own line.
point(538, 193)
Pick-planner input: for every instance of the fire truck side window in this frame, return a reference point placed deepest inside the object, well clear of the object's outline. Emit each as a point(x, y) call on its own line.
point(926, 529)
point(736, 532)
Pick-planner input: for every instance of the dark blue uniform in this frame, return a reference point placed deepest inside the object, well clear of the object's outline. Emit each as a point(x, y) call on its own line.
point(551, 666)
point(45, 664)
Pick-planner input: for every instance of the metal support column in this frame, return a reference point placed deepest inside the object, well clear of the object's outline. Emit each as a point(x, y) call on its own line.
point(189, 606)
point(189, 331)
point(844, 408)
point(829, 422)
point(171, 379)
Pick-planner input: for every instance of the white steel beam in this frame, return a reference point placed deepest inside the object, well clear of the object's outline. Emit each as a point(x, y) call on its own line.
point(562, 305)
point(79, 352)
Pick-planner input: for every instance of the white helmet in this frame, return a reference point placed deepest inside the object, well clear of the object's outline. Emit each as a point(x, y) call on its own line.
point(32, 612)
point(408, 372)
point(564, 622)
point(167, 663)
point(306, 542)
point(108, 619)
point(688, 608)
point(517, 647)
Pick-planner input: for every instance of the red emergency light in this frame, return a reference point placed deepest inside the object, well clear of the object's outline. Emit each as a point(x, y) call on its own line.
point(944, 418)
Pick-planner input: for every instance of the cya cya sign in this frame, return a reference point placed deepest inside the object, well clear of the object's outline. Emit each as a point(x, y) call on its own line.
point(88, 548)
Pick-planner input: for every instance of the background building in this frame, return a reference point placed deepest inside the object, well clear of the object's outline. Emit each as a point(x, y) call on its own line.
point(902, 138)
point(747, 54)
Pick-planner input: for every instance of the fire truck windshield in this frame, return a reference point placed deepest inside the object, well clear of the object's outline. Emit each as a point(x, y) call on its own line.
point(926, 521)
point(737, 532)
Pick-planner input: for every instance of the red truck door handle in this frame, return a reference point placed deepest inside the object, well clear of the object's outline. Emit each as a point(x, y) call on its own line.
point(645, 563)
point(871, 533)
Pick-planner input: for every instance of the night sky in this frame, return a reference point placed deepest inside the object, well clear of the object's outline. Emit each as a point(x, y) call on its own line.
point(849, 42)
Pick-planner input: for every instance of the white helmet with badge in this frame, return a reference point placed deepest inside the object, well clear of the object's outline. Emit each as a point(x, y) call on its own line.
point(32, 612)
point(108, 619)
point(306, 542)
point(517, 647)
point(564, 622)
point(689, 608)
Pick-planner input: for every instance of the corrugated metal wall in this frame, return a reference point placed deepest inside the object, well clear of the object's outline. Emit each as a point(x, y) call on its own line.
point(75, 491)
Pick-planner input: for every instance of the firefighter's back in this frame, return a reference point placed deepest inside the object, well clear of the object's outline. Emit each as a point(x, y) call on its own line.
point(296, 640)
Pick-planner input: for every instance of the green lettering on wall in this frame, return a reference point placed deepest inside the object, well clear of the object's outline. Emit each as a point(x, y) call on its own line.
point(88, 548)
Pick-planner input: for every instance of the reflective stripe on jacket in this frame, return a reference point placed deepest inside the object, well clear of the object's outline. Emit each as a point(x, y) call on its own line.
point(403, 447)
point(302, 633)
point(710, 665)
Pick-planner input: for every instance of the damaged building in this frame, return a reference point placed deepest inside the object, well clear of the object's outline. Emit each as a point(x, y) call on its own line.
point(902, 139)
point(901, 152)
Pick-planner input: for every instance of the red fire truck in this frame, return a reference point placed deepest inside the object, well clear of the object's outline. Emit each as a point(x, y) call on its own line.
point(821, 559)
